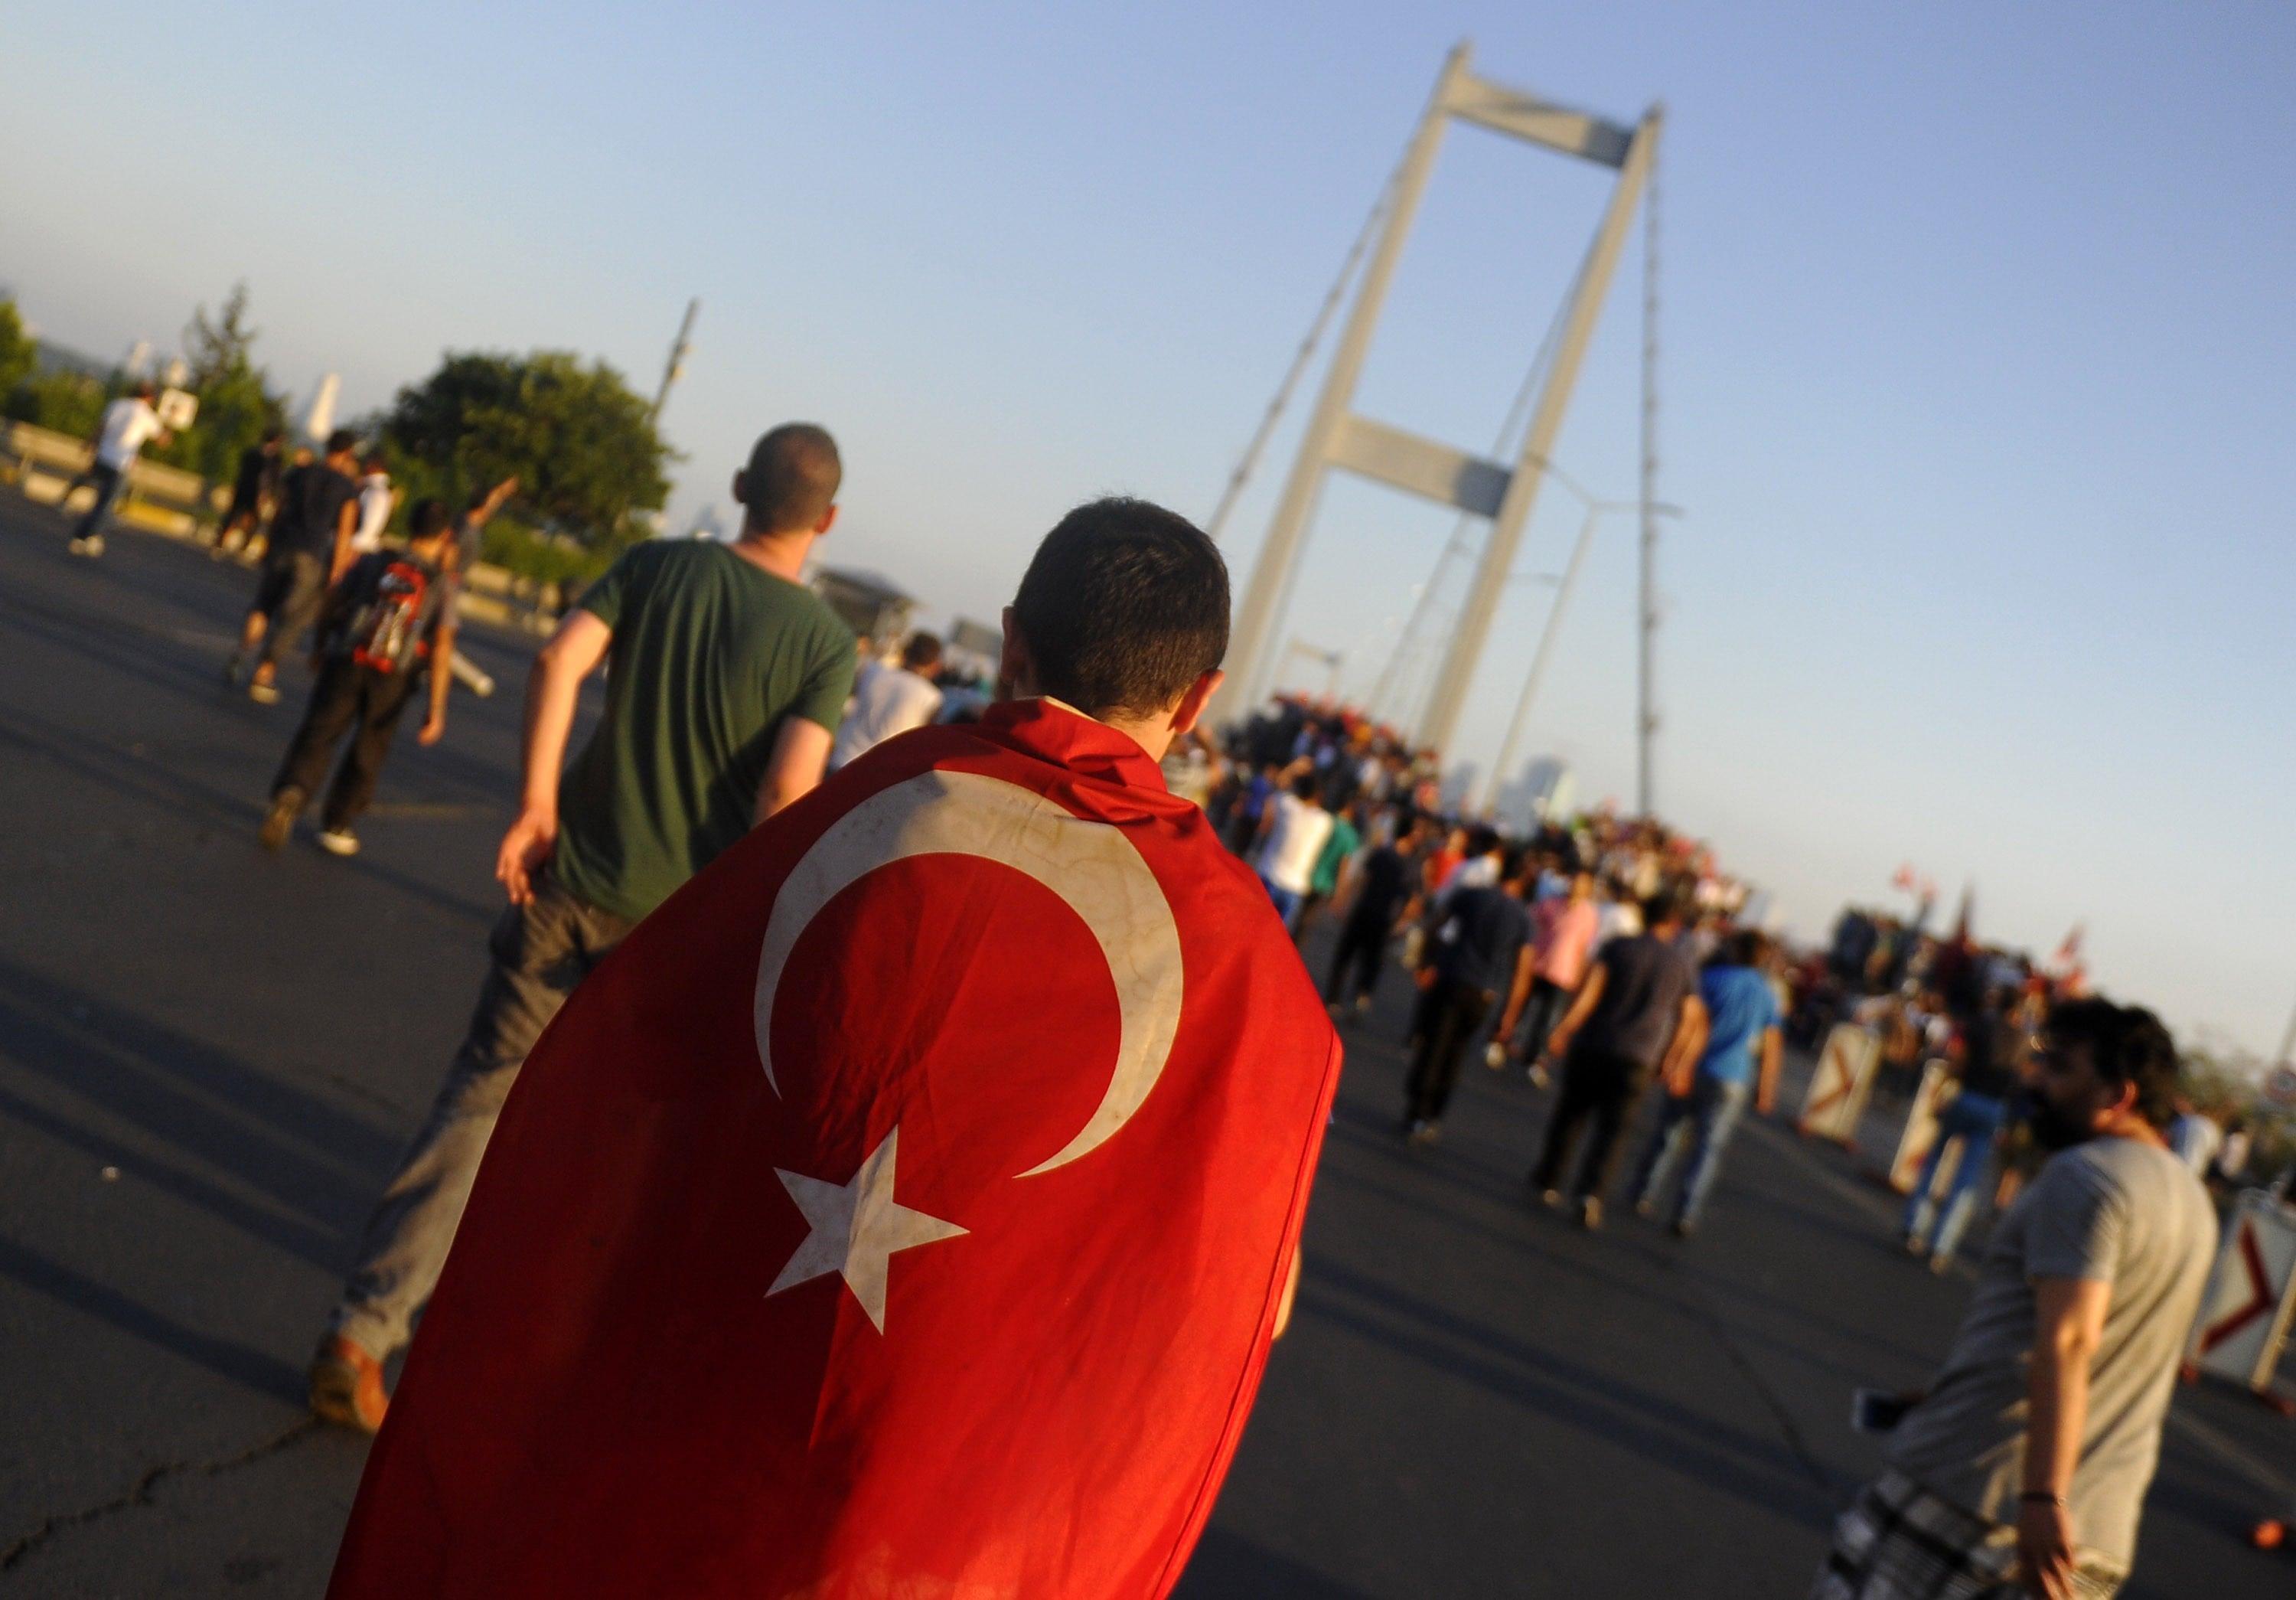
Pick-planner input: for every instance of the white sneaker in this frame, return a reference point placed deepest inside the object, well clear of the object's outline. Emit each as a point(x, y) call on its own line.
point(338, 842)
point(92, 545)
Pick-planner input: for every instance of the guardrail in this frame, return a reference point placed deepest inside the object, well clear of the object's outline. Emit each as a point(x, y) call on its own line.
point(177, 504)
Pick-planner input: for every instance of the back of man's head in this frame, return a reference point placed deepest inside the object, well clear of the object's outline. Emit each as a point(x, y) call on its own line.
point(791, 480)
point(429, 520)
point(1123, 608)
point(343, 441)
point(922, 653)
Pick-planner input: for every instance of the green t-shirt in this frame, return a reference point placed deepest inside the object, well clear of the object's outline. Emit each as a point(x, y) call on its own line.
point(709, 654)
point(1343, 842)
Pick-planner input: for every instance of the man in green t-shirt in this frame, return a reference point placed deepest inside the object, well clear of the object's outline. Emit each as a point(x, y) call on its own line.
point(728, 679)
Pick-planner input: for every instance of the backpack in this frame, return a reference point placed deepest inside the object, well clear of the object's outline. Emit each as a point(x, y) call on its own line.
point(382, 631)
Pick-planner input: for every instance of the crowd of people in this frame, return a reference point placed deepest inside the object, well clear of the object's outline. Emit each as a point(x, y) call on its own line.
point(1598, 955)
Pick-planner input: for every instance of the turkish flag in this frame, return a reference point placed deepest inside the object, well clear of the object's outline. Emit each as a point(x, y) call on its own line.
point(902, 1211)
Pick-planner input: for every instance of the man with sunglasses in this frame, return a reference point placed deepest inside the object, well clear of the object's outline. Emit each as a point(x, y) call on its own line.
point(2023, 1468)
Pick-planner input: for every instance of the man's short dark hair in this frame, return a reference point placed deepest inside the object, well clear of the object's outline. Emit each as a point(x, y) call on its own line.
point(2128, 1045)
point(921, 652)
point(1123, 606)
point(791, 480)
point(340, 440)
point(428, 519)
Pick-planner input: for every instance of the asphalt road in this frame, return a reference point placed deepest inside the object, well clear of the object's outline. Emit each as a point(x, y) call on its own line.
point(208, 1057)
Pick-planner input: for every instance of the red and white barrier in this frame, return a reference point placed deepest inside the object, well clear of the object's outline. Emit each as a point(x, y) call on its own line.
point(1838, 1088)
point(2251, 1296)
point(1939, 1087)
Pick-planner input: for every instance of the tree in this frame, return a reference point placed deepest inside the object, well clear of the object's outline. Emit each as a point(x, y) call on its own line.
point(236, 403)
point(19, 353)
point(579, 441)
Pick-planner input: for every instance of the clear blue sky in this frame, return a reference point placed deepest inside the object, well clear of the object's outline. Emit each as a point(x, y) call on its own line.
point(1978, 351)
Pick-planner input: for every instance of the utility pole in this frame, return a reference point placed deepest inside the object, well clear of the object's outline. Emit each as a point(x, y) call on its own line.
point(675, 367)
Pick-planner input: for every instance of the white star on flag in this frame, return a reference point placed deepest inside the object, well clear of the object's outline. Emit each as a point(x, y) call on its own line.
point(855, 1228)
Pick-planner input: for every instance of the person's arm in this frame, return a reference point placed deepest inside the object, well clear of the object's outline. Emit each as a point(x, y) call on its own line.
point(1526, 963)
point(800, 757)
point(442, 679)
point(573, 653)
point(340, 559)
point(1679, 1065)
point(1765, 1086)
point(2069, 1314)
point(1582, 1006)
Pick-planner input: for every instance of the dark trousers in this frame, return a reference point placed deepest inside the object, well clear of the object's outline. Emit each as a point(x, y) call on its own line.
point(1601, 1089)
point(289, 589)
point(1453, 1012)
point(1362, 943)
point(1545, 1008)
point(347, 697)
point(110, 482)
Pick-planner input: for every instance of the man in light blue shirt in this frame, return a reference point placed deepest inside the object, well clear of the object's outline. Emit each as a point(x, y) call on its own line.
point(1743, 1047)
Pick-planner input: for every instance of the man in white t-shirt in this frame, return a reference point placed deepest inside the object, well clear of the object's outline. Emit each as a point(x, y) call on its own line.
point(889, 700)
point(376, 501)
point(1293, 829)
point(129, 424)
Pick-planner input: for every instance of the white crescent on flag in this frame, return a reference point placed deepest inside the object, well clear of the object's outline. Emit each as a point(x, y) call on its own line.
point(1090, 866)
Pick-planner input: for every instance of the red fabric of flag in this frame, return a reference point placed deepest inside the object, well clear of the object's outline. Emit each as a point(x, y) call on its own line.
point(902, 1211)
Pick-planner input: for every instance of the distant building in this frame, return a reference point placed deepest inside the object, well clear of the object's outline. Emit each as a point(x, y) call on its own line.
point(1459, 785)
point(870, 603)
point(1543, 790)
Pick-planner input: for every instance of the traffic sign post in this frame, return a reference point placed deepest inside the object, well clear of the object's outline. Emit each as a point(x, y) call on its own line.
point(2251, 1296)
point(1838, 1088)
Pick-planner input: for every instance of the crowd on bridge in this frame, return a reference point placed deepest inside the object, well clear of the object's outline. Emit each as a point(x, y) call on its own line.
point(670, 1289)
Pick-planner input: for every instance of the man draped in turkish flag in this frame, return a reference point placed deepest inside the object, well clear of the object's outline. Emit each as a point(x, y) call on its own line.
point(906, 1209)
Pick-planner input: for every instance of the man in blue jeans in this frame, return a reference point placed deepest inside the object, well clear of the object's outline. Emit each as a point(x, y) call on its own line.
point(1742, 1020)
point(1990, 1058)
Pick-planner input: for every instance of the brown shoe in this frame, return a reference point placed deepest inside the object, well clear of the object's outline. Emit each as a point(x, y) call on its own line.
point(347, 1386)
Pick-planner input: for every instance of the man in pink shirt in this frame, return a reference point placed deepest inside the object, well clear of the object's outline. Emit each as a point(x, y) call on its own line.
point(1563, 929)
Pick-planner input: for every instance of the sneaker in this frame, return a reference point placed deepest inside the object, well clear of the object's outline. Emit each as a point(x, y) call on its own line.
point(338, 842)
point(1425, 1133)
point(345, 1386)
point(1682, 1228)
point(1590, 1213)
point(1363, 1005)
point(1915, 1246)
point(262, 693)
point(92, 545)
point(1539, 1076)
point(1646, 1208)
point(1551, 1199)
point(279, 822)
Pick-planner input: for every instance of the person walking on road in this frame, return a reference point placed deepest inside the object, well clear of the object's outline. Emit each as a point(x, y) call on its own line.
point(1991, 1054)
point(727, 677)
point(129, 424)
point(1481, 949)
point(376, 501)
point(1563, 928)
point(1743, 1027)
point(2023, 1467)
point(1638, 1002)
point(254, 491)
point(1380, 893)
point(390, 617)
point(889, 700)
point(1293, 827)
point(309, 552)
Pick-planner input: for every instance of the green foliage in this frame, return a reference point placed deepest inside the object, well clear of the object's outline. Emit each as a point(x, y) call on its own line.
point(236, 404)
point(68, 402)
point(578, 440)
point(532, 553)
point(19, 353)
